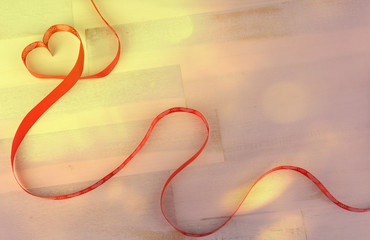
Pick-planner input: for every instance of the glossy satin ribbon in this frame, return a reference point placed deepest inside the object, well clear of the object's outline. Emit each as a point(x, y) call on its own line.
point(70, 80)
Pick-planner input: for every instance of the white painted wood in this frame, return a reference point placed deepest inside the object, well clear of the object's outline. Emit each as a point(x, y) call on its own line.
point(281, 83)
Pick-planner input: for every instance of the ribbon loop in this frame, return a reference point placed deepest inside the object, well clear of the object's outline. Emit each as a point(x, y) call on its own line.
point(70, 80)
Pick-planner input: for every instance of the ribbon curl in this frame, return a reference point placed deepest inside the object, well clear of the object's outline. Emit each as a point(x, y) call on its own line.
point(71, 79)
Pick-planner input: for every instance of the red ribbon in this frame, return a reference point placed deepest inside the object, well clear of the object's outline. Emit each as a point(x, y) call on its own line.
point(70, 80)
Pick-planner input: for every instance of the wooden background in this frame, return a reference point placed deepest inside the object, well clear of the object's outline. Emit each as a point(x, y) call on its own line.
point(281, 82)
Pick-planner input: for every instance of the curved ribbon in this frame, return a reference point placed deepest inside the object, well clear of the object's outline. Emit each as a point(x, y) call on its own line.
point(70, 80)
